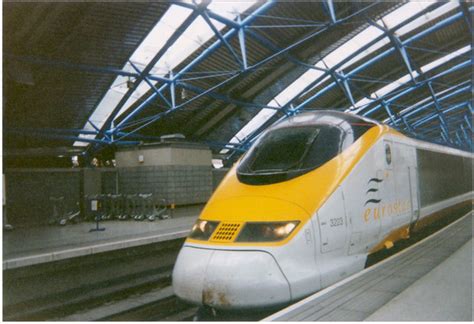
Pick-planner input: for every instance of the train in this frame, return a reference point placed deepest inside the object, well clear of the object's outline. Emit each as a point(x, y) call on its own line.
point(305, 206)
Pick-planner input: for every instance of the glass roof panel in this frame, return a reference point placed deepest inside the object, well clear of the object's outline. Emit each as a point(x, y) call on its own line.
point(451, 5)
point(361, 104)
point(333, 58)
point(194, 37)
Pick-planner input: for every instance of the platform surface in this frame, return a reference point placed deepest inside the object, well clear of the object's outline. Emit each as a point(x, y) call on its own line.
point(29, 246)
point(406, 279)
point(444, 294)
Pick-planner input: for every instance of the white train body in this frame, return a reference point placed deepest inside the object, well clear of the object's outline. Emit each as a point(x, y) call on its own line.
point(370, 195)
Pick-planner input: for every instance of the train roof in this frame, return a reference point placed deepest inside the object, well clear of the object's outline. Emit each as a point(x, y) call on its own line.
point(326, 117)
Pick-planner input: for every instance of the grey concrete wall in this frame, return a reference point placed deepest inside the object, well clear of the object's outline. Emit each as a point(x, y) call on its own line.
point(217, 176)
point(92, 181)
point(109, 181)
point(28, 192)
point(178, 184)
point(163, 156)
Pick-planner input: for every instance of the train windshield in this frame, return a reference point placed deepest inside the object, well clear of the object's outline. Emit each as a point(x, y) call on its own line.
point(293, 148)
point(287, 152)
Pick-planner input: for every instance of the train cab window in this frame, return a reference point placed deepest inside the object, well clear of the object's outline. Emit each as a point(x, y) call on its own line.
point(289, 151)
point(281, 150)
point(285, 153)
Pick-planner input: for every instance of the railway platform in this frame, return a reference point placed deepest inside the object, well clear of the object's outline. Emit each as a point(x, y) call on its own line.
point(431, 280)
point(53, 243)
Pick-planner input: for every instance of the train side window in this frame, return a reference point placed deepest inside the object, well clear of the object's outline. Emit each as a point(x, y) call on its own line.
point(388, 154)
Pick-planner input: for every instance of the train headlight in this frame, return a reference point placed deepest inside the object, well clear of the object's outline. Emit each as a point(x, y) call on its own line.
point(266, 232)
point(203, 229)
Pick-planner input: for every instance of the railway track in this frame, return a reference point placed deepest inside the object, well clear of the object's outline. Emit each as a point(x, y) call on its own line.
point(81, 285)
point(141, 292)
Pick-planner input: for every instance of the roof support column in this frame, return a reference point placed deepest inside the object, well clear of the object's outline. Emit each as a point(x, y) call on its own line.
point(399, 46)
point(445, 138)
point(389, 112)
point(97, 129)
point(468, 122)
point(460, 142)
point(147, 80)
point(223, 40)
point(342, 81)
point(408, 126)
point(439, 110)
point(466, 13)
point(332, 13)
point(243, 48)
point(466, 136)
point(172, 91)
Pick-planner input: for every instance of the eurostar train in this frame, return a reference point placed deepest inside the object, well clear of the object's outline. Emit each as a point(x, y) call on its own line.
point(305, 206)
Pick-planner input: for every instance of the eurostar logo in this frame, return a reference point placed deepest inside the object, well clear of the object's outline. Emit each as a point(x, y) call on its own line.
point(372, 183)
point(387, 210)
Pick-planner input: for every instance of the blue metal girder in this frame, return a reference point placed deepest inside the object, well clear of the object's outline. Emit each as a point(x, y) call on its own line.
point(243, 48)
point(399, 118)
point(466, 13)
point(397, 43)
point(197, 60)
point(467, 138)
point(417, 86)
point(332, 12)
point(222, 39)
point(368, 63)
point(221, 97)
point(453, 120)
point(468, 122)
point(176, 34)
point(455, 92)
point(382, 55)
point(438, 107)
point(147, 80)
point(389, 112)
point(432, 116)
point(229, 34)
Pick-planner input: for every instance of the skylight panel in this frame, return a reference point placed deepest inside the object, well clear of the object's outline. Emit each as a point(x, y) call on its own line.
point(361, 104)
point(159, 35)
point(404, 12)
point(335, 57)
point(427, 99)
point(446, 58)
point(354, 44)
point(420, 21)
point(280, 100)
point(230, 9)
point(194, 36)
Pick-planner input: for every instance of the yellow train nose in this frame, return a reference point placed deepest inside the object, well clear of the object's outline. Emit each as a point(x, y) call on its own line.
point(252, 208)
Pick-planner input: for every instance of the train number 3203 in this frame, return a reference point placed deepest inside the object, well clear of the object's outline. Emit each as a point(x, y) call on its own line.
point(333, 222)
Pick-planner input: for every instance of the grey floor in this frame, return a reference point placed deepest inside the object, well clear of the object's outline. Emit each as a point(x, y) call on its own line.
point(444, 294)
point(27, 246)
point(419, 275)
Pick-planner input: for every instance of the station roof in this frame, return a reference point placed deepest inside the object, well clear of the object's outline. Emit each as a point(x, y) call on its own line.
point(91, 75)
